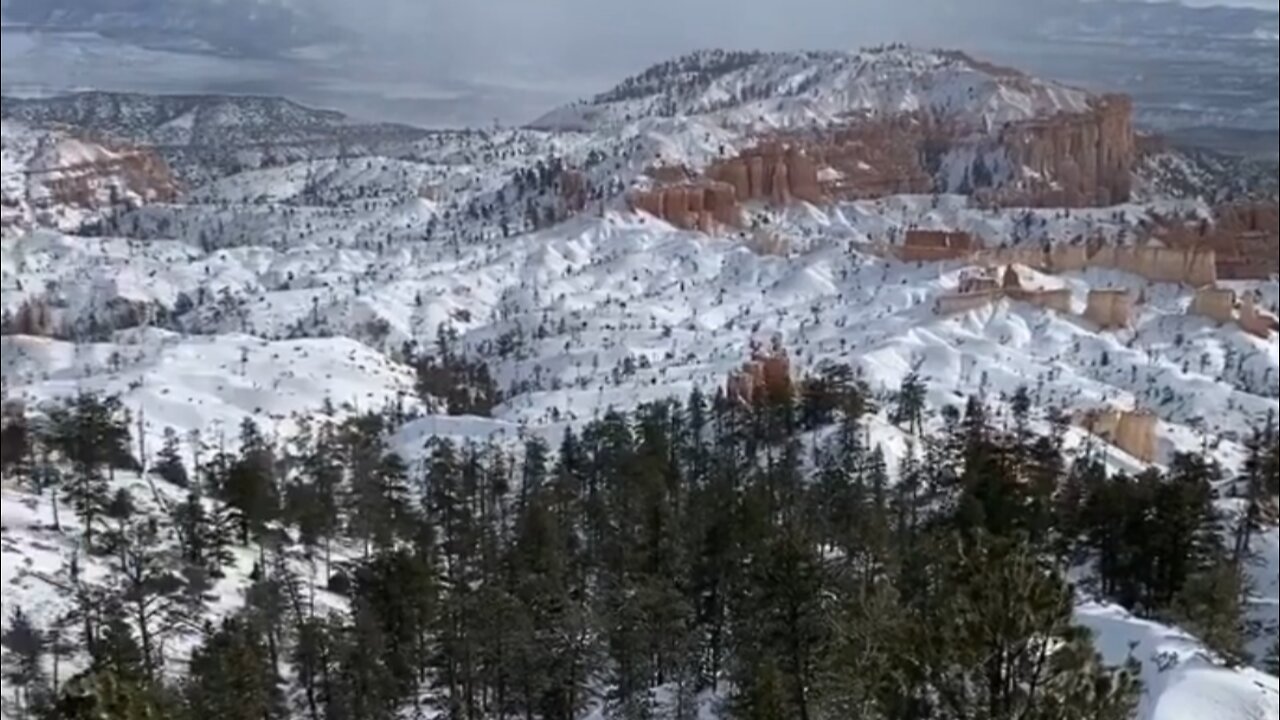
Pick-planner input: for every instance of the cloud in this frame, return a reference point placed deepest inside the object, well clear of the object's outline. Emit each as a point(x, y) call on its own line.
point(604, 37)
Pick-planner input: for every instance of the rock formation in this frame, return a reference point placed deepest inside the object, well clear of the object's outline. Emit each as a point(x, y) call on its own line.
point(1075, 159)
point(690, 206)
point(767, 375)
point(59, 180)
point(1132, 432)
point(1110, 309)
point(1194, 267)
point(936, 245)
point(1220, 305)
point(1245, 238)
point(775, 172)
point(982, 290)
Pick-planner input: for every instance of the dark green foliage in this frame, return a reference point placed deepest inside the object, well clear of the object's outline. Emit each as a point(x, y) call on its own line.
point(909, 405)
point(231, 677)
point(462, 383)
point(658, 557)
point(91, 434)
point(24, 672)
point(169, 466)
point(102, 693)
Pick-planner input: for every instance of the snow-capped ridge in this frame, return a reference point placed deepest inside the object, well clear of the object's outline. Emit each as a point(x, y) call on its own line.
point(783, 89)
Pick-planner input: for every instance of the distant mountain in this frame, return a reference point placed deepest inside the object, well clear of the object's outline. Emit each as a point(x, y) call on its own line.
point(787, 89)
point(258, 28)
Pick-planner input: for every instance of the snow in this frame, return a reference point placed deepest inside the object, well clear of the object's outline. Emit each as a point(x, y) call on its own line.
point(293, 287)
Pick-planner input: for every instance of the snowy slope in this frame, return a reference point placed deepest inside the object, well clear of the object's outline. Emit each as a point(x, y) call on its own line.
point(281, 288)
point(785, 89)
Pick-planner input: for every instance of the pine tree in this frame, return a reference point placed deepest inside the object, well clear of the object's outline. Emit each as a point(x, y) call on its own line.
point(1211, 606)
point(15, 441)
point(231, 677)
point(92, 436)
point(910, 404)
point(103, 693)
point(248, 484)
point(24, 671)
point(1273, 659)
point(997, 641)
point(169, 466)
point(148, 584)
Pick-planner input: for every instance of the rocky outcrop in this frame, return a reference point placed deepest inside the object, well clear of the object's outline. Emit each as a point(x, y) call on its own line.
point(977, 291)
point(691, 206)
point(936, 246)
point(1110, 309)
point(767, 375)
point(1192, 266)
point(56, 180)
point(1217, 304)
point(1074, 159)
point(1223, 306)
point(774, 172)
point(1244, 237)
point(1132, 432)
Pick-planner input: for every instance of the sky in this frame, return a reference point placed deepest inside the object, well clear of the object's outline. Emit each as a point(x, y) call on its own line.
point(468, 61)
point(608, 37)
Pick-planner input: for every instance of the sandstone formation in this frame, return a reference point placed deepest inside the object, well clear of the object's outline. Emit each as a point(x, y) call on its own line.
point(1193, 267)
point(66, 173)
point(1132, 432)
point(1218, 304)
point(1074, 159)
point(1110, 309)
point(774, 172)
point(936, 246)
point(690, 206)
point(1255, 321)
point(1245, 238)
point(767, 375)
point(982, 290)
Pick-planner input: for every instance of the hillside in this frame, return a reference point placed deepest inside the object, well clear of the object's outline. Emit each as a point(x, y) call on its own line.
point(1010, 243)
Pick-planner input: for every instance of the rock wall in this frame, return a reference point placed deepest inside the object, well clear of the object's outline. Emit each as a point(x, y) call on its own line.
point(978, 292)
point(963, 302)
point(1077, 159)
point(936, 246)
point(692, 206)
point(1132, 432)
point(775, 172)
point(1194, 267)
point(1110, 309)
point(1059, 300)
point(1218, 304)
point(767, 375)
point(1254, 321)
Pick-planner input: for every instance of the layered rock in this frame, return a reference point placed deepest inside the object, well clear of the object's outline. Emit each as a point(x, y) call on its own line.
point(60, 181)
point(977, 291)
point(936, 246)
point(1110, 309)
point(1074, 159)
point(767, 375)
point(773, 172)
point(1132, 432)
point(1220, 305)
point(691, 206)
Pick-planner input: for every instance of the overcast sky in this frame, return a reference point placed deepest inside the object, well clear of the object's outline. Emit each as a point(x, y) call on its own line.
point(605, 35)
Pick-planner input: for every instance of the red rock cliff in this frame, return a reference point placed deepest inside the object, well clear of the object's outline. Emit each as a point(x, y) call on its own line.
point(1075, 160)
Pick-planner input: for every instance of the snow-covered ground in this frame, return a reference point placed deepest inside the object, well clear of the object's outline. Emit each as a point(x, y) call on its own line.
point(290, 287)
